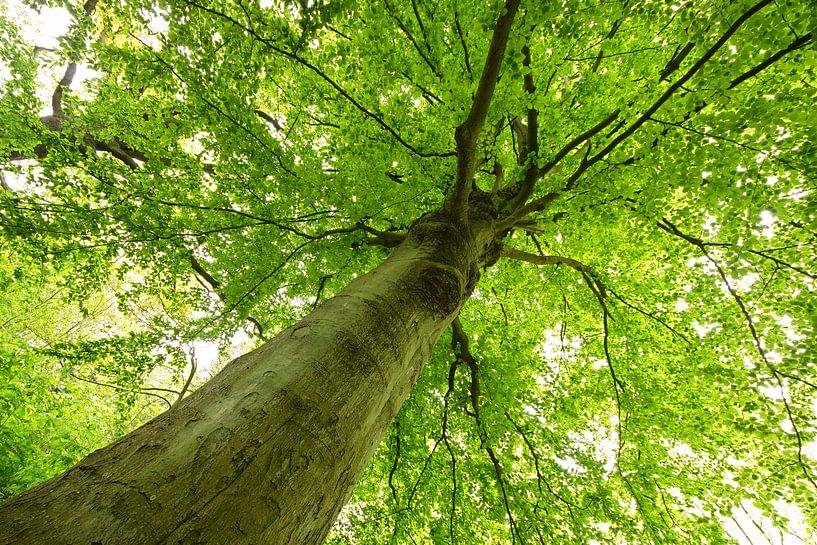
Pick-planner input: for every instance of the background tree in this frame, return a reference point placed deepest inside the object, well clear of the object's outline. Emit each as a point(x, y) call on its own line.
point(633, 180)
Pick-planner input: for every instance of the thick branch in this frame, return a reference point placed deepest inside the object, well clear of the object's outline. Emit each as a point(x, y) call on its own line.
point(70, 71)
point(520, 131)
point(386, 239)
point(269, 119)
point(676, 60)
point(459, 338)
point(466, 134)
point(581, 139)
point(551, 165)
point(490, 73)
point(519, 255)
point(795, 45)
point(531, 152)
point(539, 204)
point(64, 83)
point(214, 284)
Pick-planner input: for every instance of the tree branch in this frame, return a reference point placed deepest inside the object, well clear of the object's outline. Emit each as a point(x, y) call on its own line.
point(715, 136)
point(407, 33)
point(190, 376)
point(551, 165)
point(465, 54)
point(756, 338)
point(795, 45)
point(269, 119)
point(521, 132)
point(519, 255)
point(531, 139)
point(665, 225)
point(600, 291)
point(62, 86)
point(393, 469)
point(303, 62)
point(321, 285)
point(459, 338)
point(70, 71)
point(214, 287)
point(611, 55)
point(683, 79)
point(140, 391)
point(539, 204)
point(539, 478)
point(420, 24)
point(467, 133)
point(446, 398)
point(676, 60)
point(651, 316)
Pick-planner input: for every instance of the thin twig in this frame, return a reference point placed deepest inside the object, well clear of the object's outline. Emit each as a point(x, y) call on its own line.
point(141, 391)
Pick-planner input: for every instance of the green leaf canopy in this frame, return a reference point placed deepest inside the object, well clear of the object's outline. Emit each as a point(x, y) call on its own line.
point(638, 367)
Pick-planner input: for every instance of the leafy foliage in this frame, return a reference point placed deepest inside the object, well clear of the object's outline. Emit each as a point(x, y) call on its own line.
point(234, 163)
point(56, 403)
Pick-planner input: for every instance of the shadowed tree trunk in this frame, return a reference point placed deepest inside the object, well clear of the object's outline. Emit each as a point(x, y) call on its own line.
point(270, 449)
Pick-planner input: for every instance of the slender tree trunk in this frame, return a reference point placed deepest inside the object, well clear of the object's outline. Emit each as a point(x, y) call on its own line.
point(270, 449)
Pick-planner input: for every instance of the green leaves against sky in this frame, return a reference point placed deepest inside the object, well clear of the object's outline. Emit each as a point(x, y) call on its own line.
point(230, 164)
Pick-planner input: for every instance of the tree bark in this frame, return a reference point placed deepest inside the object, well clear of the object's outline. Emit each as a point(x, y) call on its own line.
point(270, 449)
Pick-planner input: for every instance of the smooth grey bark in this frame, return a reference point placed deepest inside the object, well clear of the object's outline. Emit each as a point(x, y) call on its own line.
point(270, 449)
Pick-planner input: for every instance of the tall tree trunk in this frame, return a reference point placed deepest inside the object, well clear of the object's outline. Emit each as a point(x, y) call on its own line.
point(270, 449)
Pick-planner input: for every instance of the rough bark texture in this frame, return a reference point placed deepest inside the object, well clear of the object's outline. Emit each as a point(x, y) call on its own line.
point(270, 449)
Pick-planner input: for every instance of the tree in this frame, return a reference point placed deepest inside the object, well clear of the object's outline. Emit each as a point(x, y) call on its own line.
point(604, 209)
